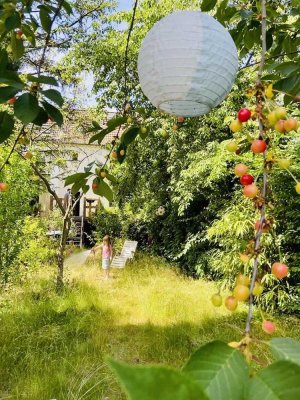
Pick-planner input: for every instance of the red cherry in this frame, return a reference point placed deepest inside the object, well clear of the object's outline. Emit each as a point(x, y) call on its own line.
point(94, 186)
point(3, 187)
point(12, 100)
point(258, 146)
point(240, 169)
point(244, 114)
point(280, 270)
point(250, 191)
point(280, 126)
point(180, 120)
point(246, 179)
point(268, 326)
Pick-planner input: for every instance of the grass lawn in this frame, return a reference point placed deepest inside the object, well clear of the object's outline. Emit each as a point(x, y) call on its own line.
point(55, 347)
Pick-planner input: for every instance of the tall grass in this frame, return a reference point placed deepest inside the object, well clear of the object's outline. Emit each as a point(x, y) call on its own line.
point(55, 347)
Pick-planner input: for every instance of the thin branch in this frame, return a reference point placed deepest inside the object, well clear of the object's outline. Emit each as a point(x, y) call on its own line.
point(48, 37)
point(269, 58)
point(125, 77)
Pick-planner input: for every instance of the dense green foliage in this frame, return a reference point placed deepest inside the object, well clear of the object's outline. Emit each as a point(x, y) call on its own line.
point(15, 205)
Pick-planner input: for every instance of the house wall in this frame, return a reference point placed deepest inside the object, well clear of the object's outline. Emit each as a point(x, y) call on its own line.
point(86, 155)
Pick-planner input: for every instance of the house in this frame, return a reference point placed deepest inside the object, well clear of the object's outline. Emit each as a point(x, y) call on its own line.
point(69, 151)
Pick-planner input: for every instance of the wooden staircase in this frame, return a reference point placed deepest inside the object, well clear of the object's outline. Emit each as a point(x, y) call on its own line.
point(127, 253)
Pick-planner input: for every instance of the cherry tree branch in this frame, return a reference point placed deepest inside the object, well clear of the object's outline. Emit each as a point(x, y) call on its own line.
point(265, 173)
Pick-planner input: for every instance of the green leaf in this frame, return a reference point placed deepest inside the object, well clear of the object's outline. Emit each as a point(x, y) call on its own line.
point(45, 19)
point(3, 59)
point(53, 95)
point(78, 185)
point(111, 178)
point(287, 68)
point(161, 383)
point(113, 123)
point(99, 136)
point(76, 177)
point(289, 85)
point(286, 349)
point(208, 5)
point(54, 113)
point(6, 126)
point(17, 47)
point(11, 78)
point(67, 6)
point(103, 190)
point(279, 381)
point(26, 29)
point(26, 108)
point(13, 22)
point(220, 370)
point(7, 92)
point(48, 80)
point(42, 117)
point(130, 134)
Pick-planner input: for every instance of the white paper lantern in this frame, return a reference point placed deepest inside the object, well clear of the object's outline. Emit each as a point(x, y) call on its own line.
point(187, 63)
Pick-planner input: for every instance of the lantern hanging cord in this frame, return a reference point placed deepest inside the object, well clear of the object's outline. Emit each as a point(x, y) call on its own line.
point(126, 51)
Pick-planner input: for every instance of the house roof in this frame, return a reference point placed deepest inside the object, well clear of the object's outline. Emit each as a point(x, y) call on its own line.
point(74, 129)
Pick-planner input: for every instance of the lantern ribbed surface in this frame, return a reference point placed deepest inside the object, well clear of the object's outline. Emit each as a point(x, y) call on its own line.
point(187, 63)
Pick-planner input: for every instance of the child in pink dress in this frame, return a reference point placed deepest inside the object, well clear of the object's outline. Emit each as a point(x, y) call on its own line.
point(107, 252)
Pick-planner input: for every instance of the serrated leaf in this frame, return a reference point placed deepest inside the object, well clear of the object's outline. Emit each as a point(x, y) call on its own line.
point(286, 349)
point(26, 108)
point(79, 176)
point(130, 134)
point(208, 5)
point(17, 47)
point(53, 95)
point(45, 18)
point(287, 68)
point(49, 80)
point(161, 383)
point(54, 113)
point(103, 189)
point(7, 92)
point(42, 118)
point(220, 370)
point(279, 381)
point(289, 85)
point(6, 126)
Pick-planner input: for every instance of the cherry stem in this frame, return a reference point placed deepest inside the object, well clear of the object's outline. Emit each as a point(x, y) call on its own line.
point(259, 101)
